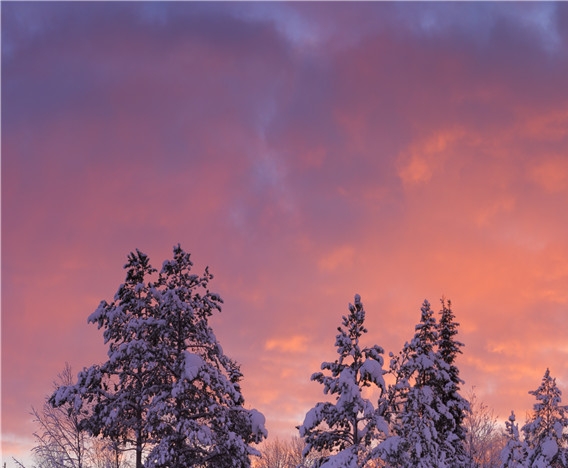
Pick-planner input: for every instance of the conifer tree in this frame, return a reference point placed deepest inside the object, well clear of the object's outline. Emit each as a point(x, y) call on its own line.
point(545, 435)
point(425, 407)
point(512, 455)
point(347, 427)
point(166, 389)
point(120, 390)
point(450, 428)
point(197, 416)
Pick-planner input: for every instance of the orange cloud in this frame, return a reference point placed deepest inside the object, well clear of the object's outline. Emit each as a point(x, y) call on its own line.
point(292, 344)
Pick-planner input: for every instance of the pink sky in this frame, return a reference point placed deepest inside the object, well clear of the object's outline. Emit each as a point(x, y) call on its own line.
point(305, 152)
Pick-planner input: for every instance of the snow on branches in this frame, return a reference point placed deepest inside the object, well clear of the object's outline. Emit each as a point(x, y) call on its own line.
point(167, 389)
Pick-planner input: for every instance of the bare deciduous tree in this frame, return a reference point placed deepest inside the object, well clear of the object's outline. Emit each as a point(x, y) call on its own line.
point(284, 454)
point(59, 439)
point(61, 442)
point(484, 441)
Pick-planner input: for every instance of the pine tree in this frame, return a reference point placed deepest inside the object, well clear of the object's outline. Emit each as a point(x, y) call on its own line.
point(512, 455)
point(545, 433)
point(348, 427)
point(166, 389)
point(197, 416)
point(417, 402)
point(450, 428)
point(120, 390)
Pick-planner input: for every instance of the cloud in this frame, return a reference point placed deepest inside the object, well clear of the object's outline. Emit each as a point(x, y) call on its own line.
point(305, 152)
point(292, 344)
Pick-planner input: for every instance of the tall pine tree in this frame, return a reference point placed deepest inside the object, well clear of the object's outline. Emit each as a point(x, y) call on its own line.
point(348, 427)
point(197, 416)
point(426, 410)
point(450, 427)
point(120, 390)
point(167, 389)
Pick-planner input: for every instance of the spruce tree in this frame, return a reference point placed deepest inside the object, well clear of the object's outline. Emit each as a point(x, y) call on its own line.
point(450, 427)
point(513, 454)
point(348, 427)
point(419, 414)
point(545, 435)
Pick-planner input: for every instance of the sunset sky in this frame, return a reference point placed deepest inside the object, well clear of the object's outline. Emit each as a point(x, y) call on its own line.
point(305, 152)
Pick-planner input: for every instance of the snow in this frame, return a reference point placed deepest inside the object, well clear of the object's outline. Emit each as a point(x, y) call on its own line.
point(549, 448)
point(373, 371)
point(258, 421)
point(345, 459)
point(193, 364)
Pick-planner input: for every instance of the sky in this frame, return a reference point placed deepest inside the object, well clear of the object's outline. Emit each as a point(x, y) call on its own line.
point(305, 152)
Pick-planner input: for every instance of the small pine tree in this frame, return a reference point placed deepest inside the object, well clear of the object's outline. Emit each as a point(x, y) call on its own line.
point(512, 455)
point(348, 427)
point(545, 435)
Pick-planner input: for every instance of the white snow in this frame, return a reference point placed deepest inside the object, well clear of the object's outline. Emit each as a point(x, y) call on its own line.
point(258, 421)
point(193, 364)
point(373, 371)
point(549, 448)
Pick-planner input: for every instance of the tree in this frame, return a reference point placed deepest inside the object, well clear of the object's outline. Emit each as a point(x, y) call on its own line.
point(167, 389)
point(348, 427)
point(545, 435)
point(59, 439)
point(484, 443)
point(513, 454)
point(450, 427)
point(426, 410)
point(119, 392)
point(274, 454)
point(198, 415)
point(285, 453)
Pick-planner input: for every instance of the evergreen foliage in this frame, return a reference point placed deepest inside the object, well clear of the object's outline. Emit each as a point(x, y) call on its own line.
point(426, 410)
point(167, 389)
point(451, 428)
point(348, 427)
point(512, 455)
point(545, 438)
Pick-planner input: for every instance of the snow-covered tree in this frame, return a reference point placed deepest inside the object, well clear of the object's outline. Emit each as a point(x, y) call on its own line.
point(197, 416)
point(425, 408)
point(167, 389)
point(348, 427)
point(513, 454)
point(450, 428)
point(119, 392)
point(545, 436)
